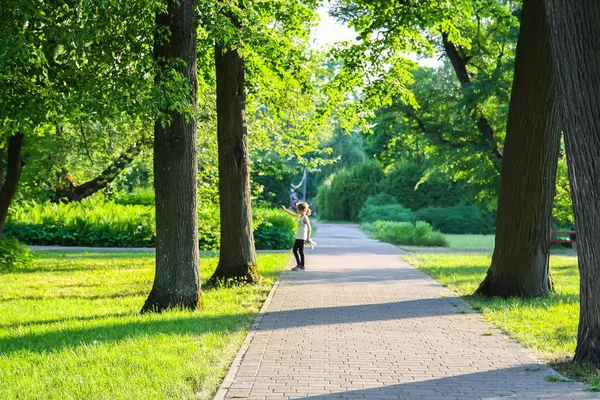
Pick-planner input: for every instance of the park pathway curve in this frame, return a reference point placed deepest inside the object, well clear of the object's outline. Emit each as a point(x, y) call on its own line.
point(360, 323)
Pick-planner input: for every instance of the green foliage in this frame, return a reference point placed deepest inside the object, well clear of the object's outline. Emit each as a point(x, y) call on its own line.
point(403, 181)
point(71, 329)
point(563, 205)
point(275, 230)
point(461, 219)
point(389, 212)
point(107, 224)
point(95, 224)
point(143, 196)
point(406, 233)
point(14, 255)
point(342, 196)
point(381, 199)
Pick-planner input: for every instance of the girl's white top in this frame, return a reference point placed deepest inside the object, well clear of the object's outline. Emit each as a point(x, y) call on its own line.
point(302, 230)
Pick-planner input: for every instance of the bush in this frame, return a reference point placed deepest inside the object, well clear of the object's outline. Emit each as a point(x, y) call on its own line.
point(275, 230)
point(91, 223)
point(13, 255)
point(405, 233)
point(106, 224)
point(390, 212)
point(461, 219)
point(380, 199)
point(400, 182)
point(142, 196)
point(342, 196)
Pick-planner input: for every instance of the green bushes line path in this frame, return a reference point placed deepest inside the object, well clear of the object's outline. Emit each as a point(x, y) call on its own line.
point(107, 224)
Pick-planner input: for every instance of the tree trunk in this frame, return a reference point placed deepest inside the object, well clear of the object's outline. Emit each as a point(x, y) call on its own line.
point(14, 165)
point(237, 256)
point(459, 64)
point(177, 280)
point(73, 192)
point(574, 37)
point(520, 264)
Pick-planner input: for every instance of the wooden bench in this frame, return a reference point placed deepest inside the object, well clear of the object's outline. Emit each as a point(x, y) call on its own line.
point(572, 238)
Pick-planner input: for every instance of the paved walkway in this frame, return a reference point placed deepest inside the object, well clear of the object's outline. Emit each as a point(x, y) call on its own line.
point(362, 324)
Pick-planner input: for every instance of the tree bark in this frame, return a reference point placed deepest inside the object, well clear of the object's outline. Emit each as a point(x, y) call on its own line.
point(237, 255)
point(14, 165)
point(73, 192)
point(177, 279)
point(459, 63)
point(520, 264)
point(575, 40)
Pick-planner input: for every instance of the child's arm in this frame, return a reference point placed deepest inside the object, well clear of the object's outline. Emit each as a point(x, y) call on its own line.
point(307, 223)
point(293, 214)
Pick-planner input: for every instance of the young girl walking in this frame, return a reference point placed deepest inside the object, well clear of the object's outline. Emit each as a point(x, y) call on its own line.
point(302, 233)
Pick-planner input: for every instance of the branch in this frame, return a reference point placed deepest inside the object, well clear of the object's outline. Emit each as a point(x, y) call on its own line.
point(75, 192)
point(459, 64)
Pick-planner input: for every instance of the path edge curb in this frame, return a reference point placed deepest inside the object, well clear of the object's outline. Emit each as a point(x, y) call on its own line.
point(237, 361)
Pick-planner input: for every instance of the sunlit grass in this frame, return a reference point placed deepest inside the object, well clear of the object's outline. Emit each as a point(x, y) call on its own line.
point(548, 325)
point(70, 328)
point(475, 242)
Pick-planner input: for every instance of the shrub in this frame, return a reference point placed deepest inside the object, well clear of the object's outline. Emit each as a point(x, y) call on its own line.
point(381, 199)
point(342, 196)
point(406, 233)
point(275, 230)
point(13, 255)
point(461, 219)
point(400, 182)
point(91, 223)
point(389, 212)
point(106, 224)
point(143, 196)
point(270, 237)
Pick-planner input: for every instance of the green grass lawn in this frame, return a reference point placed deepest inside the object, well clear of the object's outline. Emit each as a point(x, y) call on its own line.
point(70, 328)
point(472, 242)
point(548, 326)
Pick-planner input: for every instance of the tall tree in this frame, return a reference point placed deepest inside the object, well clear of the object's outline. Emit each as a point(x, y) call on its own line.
point(574, 38)
point(177, 280)
point(520, 264)
point(237, 258)
point(14, 165)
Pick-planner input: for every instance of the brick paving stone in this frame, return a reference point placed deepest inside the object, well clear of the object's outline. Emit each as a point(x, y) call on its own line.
point(360, 323)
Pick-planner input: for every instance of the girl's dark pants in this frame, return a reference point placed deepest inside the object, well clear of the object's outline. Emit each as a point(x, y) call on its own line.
point(299, 251)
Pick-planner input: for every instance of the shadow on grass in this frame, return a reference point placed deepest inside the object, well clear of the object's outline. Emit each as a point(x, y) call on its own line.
point(111, 333)
point(119, 295)
point(66, 319)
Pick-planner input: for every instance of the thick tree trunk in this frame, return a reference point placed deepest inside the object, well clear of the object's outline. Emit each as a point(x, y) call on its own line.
point(73, 192)
point(520, 265)
point(177, 280)
point(575, 39)
point(459, 64)
point(237, 256)
point(14, 165)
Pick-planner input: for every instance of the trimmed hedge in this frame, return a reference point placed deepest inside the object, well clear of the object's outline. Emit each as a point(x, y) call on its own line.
point(343, 195)
point(400, 182)
point(461, 219)
point(100, 224)
point(384, 207)
point(406, 233)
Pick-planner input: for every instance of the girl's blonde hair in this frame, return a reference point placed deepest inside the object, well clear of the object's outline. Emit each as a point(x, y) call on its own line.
point(302, 206)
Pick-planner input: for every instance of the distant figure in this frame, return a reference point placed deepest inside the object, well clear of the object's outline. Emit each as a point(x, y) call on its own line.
point(294, 199)
point(302, 233)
